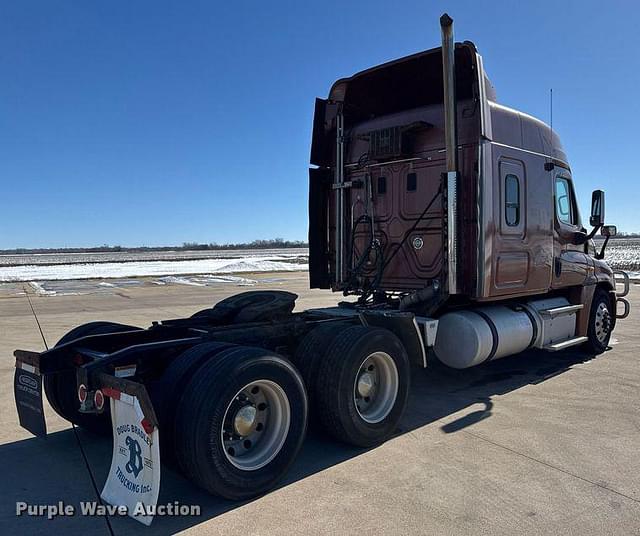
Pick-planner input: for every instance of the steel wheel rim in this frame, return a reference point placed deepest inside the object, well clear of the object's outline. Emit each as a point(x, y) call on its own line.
point(602, 322)
point(255, 425)
point(375, 388)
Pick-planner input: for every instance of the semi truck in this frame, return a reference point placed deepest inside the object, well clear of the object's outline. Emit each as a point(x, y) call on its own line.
point(449, 219)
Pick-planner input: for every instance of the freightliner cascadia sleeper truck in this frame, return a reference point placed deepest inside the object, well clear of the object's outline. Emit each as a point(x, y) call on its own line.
point(450, 219)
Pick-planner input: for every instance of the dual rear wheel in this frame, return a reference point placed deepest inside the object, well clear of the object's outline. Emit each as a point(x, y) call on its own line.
point(235, 417)
point(358, 381)
point(232, 418)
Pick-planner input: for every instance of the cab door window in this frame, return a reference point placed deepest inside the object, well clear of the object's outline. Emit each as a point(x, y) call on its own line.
point(565, 203)
point(512, 200)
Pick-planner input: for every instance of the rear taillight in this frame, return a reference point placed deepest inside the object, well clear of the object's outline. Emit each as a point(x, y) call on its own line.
point(82, 393)
point(98, 400)
point(146, 424)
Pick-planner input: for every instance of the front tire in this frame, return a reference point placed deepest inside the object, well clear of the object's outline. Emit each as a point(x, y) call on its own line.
point(601, 322)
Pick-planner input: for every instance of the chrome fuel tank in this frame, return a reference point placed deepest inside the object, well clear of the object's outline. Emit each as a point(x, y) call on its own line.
point(471, 337)
point(474, 336)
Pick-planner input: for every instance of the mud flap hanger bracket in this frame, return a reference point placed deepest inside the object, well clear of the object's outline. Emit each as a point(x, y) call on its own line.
point(28, 358)
point(115, 387)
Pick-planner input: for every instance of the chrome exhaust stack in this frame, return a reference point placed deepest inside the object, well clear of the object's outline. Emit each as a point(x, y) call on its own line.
point(451, 146)
point(338, 186)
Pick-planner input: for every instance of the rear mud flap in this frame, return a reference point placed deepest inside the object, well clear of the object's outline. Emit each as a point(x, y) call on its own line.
point(134, 477)
point(27, 390)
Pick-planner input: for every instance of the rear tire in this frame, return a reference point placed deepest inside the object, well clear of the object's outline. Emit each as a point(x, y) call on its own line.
point(309, 356)
point(363, 386)
point(601, 322)
point(61, 387)
point(165, 394)
point(231, 444)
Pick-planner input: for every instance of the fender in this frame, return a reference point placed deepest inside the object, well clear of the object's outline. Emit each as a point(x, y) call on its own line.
point(404, 326)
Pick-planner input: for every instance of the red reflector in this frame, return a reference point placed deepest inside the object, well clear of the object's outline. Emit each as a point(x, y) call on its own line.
point(98, 399)
point(82, 392)
point(111, 393)
point(146, 424)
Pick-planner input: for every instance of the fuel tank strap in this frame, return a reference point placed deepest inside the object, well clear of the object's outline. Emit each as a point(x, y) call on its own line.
point(534, 324)
point(494, 334)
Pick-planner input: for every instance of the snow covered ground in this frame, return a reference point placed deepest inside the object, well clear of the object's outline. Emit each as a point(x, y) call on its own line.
point(145, 255)
point(78, 287)
point(116, 270)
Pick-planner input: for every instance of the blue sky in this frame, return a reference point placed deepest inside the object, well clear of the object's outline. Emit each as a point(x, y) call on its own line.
point(152, 123)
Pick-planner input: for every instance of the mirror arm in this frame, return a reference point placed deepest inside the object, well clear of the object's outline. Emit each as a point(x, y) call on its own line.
point(600, 255)
point(594, 231)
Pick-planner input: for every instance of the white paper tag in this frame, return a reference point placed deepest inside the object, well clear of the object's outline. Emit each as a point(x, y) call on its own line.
point(126, 371)
point(134, 477)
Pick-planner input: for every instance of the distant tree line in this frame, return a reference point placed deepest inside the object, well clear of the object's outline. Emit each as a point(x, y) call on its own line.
point(274, 243)
point(622, 234)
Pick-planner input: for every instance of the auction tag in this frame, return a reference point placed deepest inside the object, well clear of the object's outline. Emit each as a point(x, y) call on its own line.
point(27, 389)
point(134, 477)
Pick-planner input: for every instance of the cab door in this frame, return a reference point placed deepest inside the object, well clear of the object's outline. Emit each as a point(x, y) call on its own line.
point(571, 264)
point(513, 264)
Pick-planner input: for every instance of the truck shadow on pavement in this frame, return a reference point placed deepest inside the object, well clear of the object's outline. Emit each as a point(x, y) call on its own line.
point(34, 469)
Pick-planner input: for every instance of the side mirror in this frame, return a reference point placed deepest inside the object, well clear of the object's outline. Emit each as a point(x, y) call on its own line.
point(607, 231)
point(597, 209)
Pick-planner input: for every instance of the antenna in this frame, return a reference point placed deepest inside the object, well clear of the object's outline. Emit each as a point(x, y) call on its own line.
point(548, 166)
point(551, 109)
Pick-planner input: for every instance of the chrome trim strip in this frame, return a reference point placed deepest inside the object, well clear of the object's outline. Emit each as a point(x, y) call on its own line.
point(480, 224)
point(485, 200)
point(528, 151)
point(486, 128)
point(452, 241)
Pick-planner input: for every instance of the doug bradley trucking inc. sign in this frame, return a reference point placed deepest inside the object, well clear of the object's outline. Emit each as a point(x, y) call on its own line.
point(134, 477)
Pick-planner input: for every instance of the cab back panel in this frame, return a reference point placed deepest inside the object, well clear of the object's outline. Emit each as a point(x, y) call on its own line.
point(394, 154)
point(410, 256)
point(401, 191)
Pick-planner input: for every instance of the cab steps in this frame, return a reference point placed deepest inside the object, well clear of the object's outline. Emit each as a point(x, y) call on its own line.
point(565, 344)
point(561, 311)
